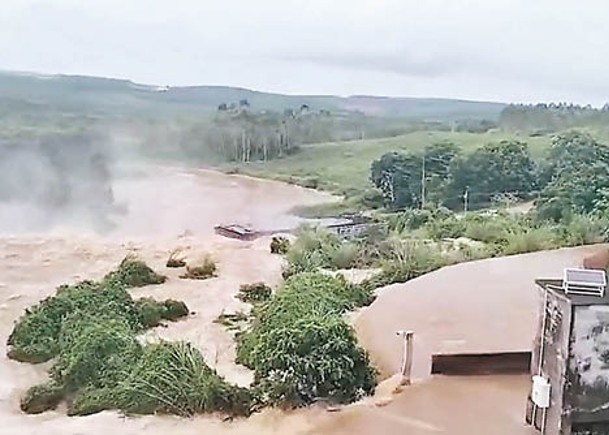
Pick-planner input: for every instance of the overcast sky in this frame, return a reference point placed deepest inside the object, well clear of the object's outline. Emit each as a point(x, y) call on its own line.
point(504, 50)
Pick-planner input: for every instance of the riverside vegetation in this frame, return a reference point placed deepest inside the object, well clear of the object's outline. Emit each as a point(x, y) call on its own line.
point(89, 330)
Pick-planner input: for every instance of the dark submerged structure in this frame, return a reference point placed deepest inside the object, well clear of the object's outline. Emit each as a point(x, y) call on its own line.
point(347, 226)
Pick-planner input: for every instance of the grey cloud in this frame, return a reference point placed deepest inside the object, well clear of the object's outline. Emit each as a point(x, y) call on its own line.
point(499, 50)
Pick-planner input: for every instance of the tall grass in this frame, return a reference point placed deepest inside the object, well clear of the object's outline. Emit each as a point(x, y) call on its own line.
point(530, 240)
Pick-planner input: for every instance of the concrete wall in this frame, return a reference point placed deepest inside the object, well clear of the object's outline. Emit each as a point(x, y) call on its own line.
point(588, 391)
point(552, 347)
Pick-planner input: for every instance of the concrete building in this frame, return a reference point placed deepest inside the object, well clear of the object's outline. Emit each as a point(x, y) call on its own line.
point(570, 361)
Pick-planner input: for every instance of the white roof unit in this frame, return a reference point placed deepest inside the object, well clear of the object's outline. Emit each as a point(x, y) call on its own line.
point(585, 282)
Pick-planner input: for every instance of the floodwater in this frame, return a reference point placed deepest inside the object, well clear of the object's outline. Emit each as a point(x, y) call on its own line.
point(488, 305)
point(167, 209)
point(477, 307)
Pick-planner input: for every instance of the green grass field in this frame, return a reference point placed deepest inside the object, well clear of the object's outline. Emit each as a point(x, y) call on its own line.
point(344, 167)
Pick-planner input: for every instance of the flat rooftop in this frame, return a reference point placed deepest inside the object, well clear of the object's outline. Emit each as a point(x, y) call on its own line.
point(556, 285)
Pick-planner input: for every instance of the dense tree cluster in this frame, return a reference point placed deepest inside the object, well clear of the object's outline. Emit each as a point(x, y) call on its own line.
point(543, 118)
point(241, 133)
point(491, 172)
point(575, 176)
point(441, 175)
point(405, 178)
point(572, 179)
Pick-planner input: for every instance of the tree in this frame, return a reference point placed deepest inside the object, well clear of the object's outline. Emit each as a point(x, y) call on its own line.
point(437, 160)
point(409, 180)
point(496, 168)
point(575, 178)
point(398, 177)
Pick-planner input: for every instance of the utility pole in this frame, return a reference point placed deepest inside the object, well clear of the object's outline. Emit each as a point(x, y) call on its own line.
point(423, 177)
point(465, 200)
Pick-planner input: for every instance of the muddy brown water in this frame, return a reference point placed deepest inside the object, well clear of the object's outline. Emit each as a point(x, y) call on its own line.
point(487, 305)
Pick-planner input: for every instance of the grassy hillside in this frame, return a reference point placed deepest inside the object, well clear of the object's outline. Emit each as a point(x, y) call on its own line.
point(94, 95)
point(345, 166)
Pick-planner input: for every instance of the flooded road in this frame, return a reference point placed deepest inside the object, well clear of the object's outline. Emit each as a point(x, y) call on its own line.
point(488, 305)
point(477, 307)
point(482, 306)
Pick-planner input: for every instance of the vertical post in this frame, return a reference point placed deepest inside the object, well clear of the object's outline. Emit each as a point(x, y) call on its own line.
point(465, 200)
point(407, 357)
point(423, 177)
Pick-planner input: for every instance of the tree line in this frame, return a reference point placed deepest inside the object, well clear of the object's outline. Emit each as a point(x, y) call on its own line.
point(240, 133)
point(572, 179)
point(545, 118)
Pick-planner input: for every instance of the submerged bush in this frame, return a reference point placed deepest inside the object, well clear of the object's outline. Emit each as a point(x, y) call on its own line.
point(153, 312)
point(41, 398)
point(316, 356)
point(168, 378)
point(205, 270)
point(279, 245)
point(174, 310)
point(95, 350)
point(173, 378)
point(35, 337)
point(254, 293)
point(300, 347)
point(175, 260)
point(91, 328)
point(133, 272)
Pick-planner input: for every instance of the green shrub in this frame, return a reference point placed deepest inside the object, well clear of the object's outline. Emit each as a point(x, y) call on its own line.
point(174, 310)
point(300, 261)
point(35, 337)
point(279, 245)
point(408, 220)
point(472, 253)
point(254, 293)
point(168, 378)
point(315, 356)
point(344, 256)
point(153, 312)
point(133, 272)
point(41, 398)
point(530, 240)
point(583, 230)
point(316, 249)
point(91, 328)
point(445, 227)
point(205, 270)
point(300, 347)
point(91, 400)
point(95, 350)
point(487, 230)
point(404, 260)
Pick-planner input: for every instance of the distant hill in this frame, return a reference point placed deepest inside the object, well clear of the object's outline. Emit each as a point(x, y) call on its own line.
point(103, 96)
